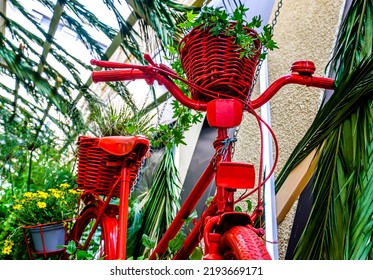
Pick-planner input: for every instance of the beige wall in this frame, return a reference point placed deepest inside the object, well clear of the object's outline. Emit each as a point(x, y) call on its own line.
point(305, 30)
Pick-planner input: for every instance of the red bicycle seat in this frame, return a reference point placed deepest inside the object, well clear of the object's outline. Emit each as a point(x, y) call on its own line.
point(123, 145)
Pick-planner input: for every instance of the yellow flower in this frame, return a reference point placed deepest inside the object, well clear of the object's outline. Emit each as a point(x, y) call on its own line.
point(42, 194)
point(7, 250)
point(41, 204)
point(8, 243)
point(64, 185)
point(28, 194)
point(56, 193)
point(73, 191)
point(17, 207)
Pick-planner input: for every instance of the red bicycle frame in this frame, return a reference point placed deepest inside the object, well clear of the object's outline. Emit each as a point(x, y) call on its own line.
point(222, 114)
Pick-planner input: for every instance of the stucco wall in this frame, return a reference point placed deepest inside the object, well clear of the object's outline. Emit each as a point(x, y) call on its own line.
point(305, 30)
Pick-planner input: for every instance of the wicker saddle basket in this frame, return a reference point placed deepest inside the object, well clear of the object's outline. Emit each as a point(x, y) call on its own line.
point(214, 63)
point(98, 170)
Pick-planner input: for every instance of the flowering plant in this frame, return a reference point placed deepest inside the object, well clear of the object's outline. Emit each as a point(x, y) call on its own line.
point(40, 207)
point(48, 206)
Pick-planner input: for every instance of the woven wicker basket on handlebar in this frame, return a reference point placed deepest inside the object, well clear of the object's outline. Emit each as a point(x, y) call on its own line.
point(214, 63)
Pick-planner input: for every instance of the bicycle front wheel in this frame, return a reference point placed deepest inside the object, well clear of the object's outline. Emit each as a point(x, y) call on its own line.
point(102, 245)
point(242, 243)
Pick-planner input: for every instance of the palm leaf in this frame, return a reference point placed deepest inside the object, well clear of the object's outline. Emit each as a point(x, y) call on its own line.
point(340, 223)
point(162, 202)
point(161, 16)
point(354, 90)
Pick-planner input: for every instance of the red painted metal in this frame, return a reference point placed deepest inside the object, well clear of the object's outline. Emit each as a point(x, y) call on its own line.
point(110, 237)
point(216, 87)
point(190, 203)
point(195, 236)
point(122, 145)
point(109, 229)
point(235, 175)
point(224, 113)
point(184, 212)
point(303, 67)
point(135, 74)
point(123, 212)
point(304, 77)
point(212, 249)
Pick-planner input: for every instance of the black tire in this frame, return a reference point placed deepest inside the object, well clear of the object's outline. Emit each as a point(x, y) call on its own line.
point(242, 243)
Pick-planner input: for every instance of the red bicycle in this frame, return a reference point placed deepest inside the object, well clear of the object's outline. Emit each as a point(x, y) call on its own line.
point(108, 167)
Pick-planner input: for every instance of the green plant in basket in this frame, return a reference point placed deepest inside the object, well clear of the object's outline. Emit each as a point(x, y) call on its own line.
point(220, 51)
point(220, 23)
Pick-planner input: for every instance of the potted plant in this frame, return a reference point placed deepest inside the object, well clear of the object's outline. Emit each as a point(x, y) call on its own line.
point(43, 216)
point(221, 51)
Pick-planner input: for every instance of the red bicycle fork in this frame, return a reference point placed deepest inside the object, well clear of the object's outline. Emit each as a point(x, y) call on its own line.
point(120, 225)
point(123, 213)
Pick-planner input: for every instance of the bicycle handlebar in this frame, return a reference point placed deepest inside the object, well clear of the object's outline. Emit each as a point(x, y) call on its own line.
point(301, 74)
point(149, 74)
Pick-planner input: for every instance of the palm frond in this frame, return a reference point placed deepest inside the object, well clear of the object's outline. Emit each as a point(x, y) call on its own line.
point(161, 16)
point(340, 223)
point(162, 201)
point(354, 90)
point(354, 41)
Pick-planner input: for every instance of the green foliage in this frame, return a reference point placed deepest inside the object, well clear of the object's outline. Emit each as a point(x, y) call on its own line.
point(33, 208)
point(197, 254)
point(27, 165)
point(47, 170)
point(248, 209)
point(173, 246)
point(343, 185)
point(32, 156)
point(160, 203)
point(340, 222)
point(51, 205)
point(77, 254)
point(218, 22)
point(119, 120)
point(170, 135)
point(55, 91)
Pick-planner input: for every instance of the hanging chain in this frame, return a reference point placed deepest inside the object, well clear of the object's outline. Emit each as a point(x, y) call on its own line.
point(138, 177)
point(274, 22)
point(256, 75)
point(142, 167)
point(235, 137)
point(223, 150)
point(277, 13)
point(161, 113)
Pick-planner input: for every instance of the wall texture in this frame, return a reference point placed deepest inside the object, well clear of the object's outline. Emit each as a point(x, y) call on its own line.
point(305, 30)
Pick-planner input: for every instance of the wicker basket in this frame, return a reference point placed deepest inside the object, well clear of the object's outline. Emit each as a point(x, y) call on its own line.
point(98, 170)
point(214, 63)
